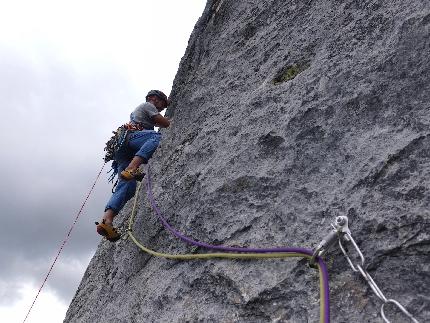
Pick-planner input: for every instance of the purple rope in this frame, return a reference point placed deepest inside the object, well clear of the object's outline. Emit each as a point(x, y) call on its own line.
point(181, 236)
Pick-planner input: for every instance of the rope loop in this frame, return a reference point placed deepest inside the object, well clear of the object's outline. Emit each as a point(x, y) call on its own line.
point(232, 252)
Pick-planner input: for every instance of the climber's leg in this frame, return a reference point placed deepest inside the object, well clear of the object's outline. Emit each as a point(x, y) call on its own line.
point(144, 143)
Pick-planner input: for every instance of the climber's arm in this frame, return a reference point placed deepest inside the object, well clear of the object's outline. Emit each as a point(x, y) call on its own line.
point(161, 121)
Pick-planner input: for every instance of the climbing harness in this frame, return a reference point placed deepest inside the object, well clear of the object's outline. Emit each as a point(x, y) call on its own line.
point(233, 252)
point(341, 232)
point(116, 142)
point(64, 242)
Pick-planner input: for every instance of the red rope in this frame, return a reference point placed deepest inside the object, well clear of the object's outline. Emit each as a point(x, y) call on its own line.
point(64, 242)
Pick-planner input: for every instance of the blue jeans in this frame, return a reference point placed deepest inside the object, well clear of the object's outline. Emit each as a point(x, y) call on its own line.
point(139, 143)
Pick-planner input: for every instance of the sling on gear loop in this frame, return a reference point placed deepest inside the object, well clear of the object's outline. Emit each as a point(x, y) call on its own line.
point(341, 230)
point(116, 143)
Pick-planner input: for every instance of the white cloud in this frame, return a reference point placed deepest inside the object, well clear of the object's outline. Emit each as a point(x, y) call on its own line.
point(48, 308)
point(16, 296)
point(139, 37)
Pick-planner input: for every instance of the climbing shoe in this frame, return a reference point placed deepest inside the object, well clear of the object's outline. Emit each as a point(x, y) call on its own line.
point(108, 231)
point(129, 174)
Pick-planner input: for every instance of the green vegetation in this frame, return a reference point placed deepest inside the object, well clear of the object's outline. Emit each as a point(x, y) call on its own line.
point(289, 72)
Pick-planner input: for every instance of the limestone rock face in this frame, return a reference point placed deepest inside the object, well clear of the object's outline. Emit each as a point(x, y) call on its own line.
point(285, 115)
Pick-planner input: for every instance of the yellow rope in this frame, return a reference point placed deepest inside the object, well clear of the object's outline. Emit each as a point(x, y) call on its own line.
point(223, 255)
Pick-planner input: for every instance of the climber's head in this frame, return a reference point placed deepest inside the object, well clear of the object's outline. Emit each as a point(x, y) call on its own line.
point(157, 98)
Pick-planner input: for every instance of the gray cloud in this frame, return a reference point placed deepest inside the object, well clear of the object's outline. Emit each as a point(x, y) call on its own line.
point(53, 130)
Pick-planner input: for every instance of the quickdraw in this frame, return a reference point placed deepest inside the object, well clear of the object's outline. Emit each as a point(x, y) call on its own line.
point(342, 234)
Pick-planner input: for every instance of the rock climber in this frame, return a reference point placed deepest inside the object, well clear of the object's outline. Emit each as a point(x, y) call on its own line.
point(139, 144)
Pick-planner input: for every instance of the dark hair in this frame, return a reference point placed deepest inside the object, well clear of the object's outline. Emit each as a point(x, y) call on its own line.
point(158, 94)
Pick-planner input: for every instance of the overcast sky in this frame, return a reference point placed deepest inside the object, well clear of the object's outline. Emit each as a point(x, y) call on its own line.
point(70, 73)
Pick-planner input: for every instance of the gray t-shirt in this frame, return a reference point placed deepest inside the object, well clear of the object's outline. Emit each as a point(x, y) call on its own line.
point(144, 115)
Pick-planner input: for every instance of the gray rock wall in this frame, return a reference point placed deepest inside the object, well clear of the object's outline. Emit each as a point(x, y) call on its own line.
point(285, 115)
